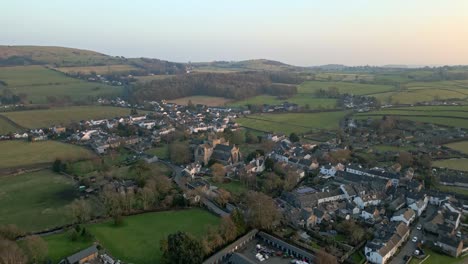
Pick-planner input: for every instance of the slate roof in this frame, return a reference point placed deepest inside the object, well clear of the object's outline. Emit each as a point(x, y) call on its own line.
point(75, 258)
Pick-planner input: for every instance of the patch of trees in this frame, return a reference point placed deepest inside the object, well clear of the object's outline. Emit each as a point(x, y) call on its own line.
point(182, 247)
point(17, 61)
point(156, 66)
point(33, 250)
point(230, 85)
point(8, 97)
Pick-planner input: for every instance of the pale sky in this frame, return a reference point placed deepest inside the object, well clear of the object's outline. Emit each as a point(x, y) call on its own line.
point(309, 32)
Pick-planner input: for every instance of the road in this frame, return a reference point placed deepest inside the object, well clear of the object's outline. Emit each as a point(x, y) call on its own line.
point(409, 247)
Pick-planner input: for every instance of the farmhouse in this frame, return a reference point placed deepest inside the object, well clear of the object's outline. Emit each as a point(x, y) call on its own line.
point(82, 257)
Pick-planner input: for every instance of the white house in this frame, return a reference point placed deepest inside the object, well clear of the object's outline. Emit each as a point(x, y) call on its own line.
point(328, 170)
point(419, 206)
point(362, 201)
point(406, 216)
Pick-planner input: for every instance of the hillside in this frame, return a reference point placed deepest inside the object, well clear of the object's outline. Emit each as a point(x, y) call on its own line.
point(30, 55)
point(247, 65)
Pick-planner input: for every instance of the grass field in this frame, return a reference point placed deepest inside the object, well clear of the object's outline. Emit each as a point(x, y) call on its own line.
point(461, 146)
point(454, 189)
point(454, 164)
point(63, 115)
point(436, 258)
point(306, 94)
point(415, 92)
point(201, 99)
point(234, 187)
point(138, 240)
point(22, 153)
point(149, 78)
point(125, 172)
point(119, 68)
point(61, 246)
point(300, 99)
point(455, 116)
point(58, 55)
point(38, 83)
point(35, 201)
point(391, 148)
point(162, 152)
point(7, 127)
point(293, 122)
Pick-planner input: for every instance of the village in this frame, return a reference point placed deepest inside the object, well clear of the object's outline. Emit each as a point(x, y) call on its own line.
point(377, 206)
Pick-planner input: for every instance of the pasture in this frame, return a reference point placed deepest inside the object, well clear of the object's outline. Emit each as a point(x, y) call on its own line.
point(138, 239)
point(61, 246)
point(454, 116)
point(461, 146)
point(35, 201)
point(58, 55)
point(108, 69)
point(22, 153)
point(293, 122)
point(414, 92)
point(7, 127)
point(40, 84)
point(63, 115)
point(201, 99)
point(307, 94)
point(454, 164)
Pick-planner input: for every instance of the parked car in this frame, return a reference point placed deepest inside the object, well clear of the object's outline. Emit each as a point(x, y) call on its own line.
point(419, 227)
point(415, 239)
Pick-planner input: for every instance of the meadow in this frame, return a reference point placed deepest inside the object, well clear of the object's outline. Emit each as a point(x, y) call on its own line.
point(7, 127)
point(454, 164)
point(201, 99)
point(461, 146)
point(19, 153)
point(35, 201)
point(414, 92)
point(39, 83)
point(61, 246)
point(307, 94)
point(162, 152)
point(454, 116)
point(138, 239)
point(63, 115)
point(108, 69)
point(293, 122)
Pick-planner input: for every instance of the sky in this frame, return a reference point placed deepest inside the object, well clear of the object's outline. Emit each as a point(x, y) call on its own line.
point(305, 33)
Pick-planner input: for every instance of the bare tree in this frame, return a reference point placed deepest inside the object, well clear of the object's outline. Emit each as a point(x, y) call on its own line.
point(218, 172)
point(80, 210)
point(11, 253)
point(36, 248)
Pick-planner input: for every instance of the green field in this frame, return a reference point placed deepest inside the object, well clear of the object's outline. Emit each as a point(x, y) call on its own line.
point(22, 153)
point(454, 189)
point(38, 83)
point(63, 115)
point(35, 201)
point(119, 68)
point(437, 258)
point(59, 55)
point(384, 148)
point(293, 122)
point(461, 146)
point(306, 94)
point(125, 172)
point(234, 187)
point(7, 127)
point(138, 240)
point(201, 99)
point(414, 92)
point(61, 246)
point(455, 116)
point(162, 152)
point(454, 164)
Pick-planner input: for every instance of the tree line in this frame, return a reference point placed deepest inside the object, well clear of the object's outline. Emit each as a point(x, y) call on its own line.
point(230, 85)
